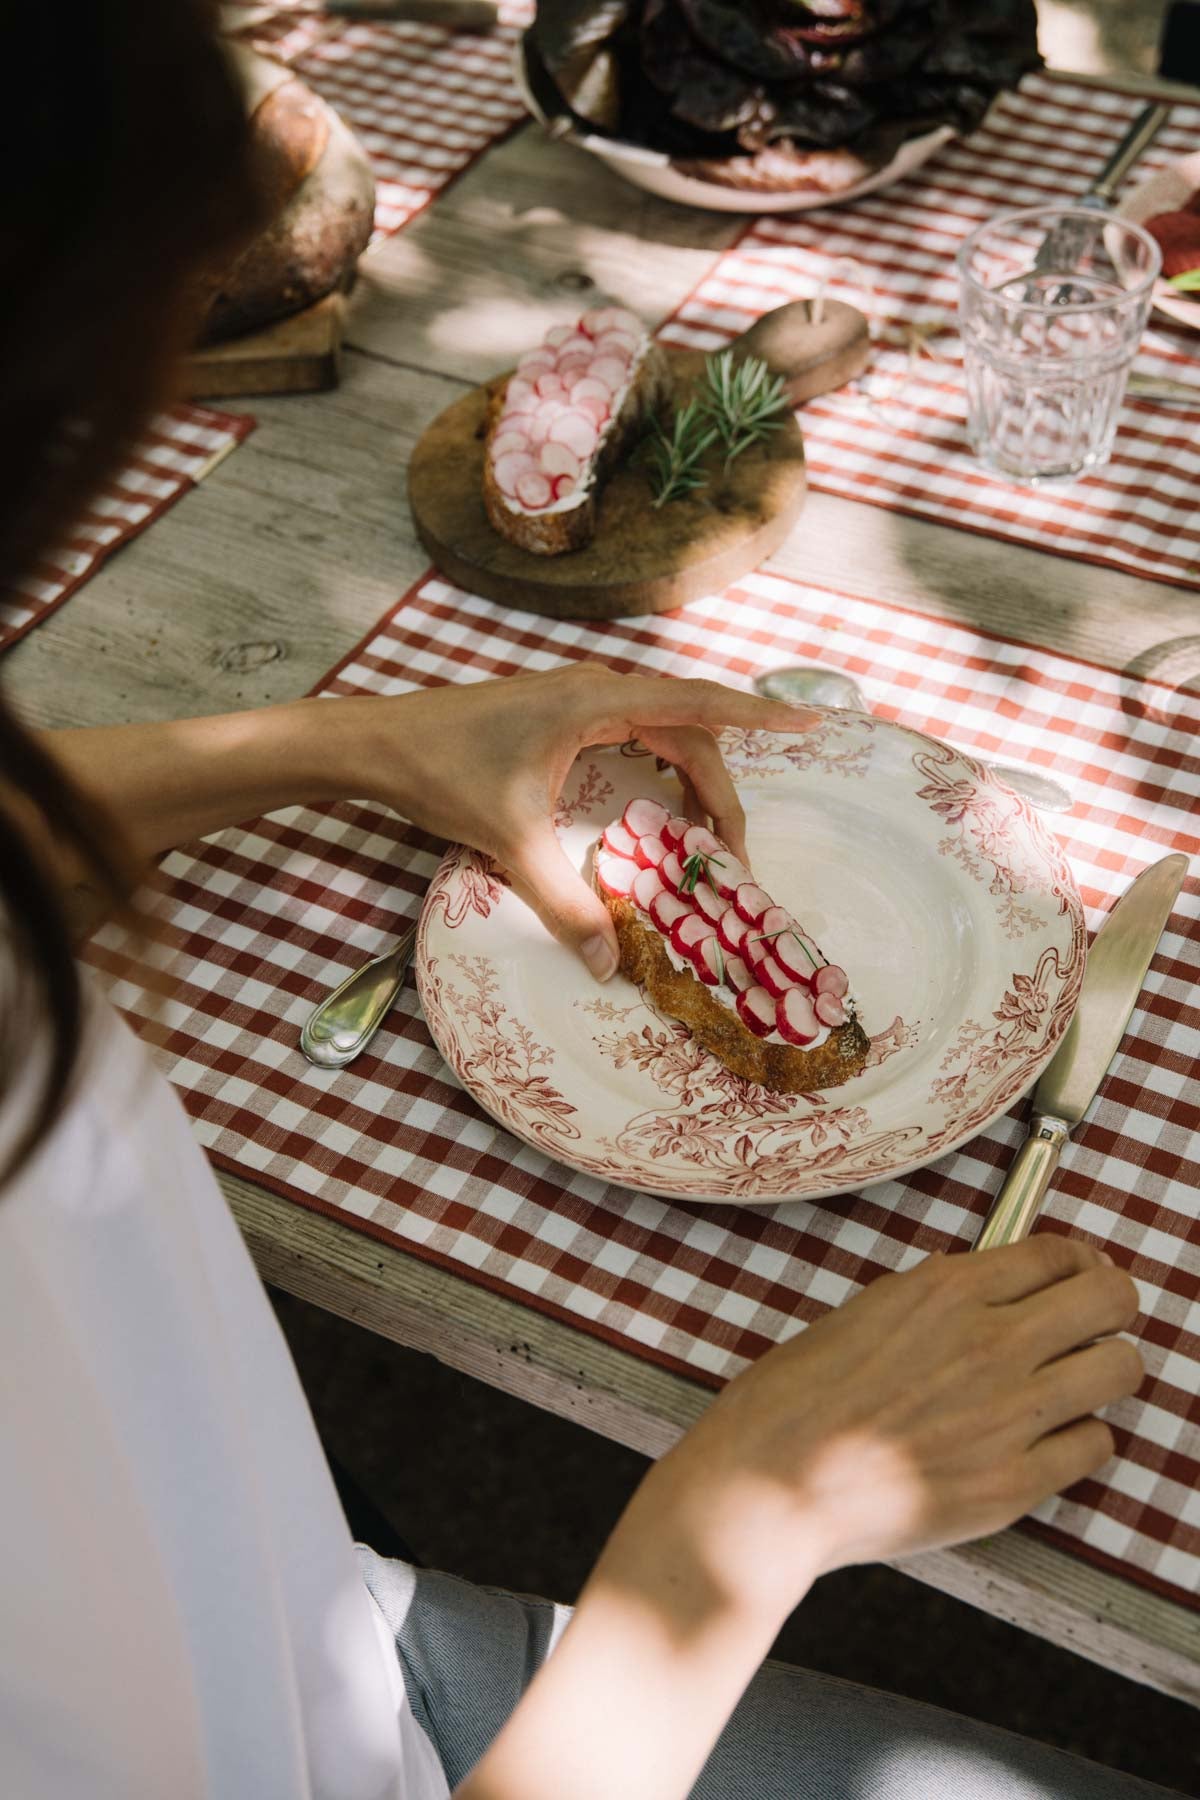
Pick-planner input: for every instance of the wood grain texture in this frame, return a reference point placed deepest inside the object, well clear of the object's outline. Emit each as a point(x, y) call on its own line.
point(254, 585)
point(641, 559)
point(298, 355)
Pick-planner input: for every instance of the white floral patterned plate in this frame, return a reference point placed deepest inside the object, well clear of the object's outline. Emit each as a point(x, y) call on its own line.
point(933, 884)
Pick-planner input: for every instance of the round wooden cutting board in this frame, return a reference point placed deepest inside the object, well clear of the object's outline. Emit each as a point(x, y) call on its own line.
point(642, 558)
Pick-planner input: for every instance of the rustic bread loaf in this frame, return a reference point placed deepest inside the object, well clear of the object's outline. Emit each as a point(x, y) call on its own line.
point(321, 194)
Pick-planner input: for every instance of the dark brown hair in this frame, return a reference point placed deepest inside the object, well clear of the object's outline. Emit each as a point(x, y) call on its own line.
point(129, 134)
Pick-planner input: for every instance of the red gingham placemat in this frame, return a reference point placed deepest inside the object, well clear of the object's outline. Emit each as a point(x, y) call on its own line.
point(896, 438)
point(424, 102)
point(258, 923)
point(178, 450)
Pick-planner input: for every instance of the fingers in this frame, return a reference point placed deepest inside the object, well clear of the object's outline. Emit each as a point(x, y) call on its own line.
point(694, 754)
point(1076, 1385)
point(1090, 1305)
point(1015, 1270)
point(623, 704)
point(562, 899)
point(1065, 1457)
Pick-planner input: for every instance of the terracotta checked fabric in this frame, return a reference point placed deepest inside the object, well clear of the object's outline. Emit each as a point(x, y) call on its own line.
point(177, 451)
point(896, 438)
point(258, 924)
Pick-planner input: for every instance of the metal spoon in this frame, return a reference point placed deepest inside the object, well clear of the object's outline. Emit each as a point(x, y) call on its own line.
point(342, 1026)
point(815, 686)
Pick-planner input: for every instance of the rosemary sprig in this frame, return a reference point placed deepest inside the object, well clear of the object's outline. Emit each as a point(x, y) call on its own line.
point(696, 865)
point(744, 401)
point(674, 455)
point(764, 937)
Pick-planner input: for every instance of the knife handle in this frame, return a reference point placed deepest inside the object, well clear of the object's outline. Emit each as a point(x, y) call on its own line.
point(1141, 134)
point(1017, 1204)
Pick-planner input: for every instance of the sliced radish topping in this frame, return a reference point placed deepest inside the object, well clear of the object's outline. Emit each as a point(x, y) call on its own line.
point(613, 371)
point(756, 1010)
point(535, 362)
point(775, 920)
point(729, 874)
point(577, 431)
point(689, 931)
point(557, 337)
point(618, 343)
point(646, 818)
point(509, 469)
point(666, 909)
point(775, 978)
point(548, 386)
point(647, 887)
point(674, 832)
point(671, 870)
point(620, 841)
point(506, 441)
point(832, 980)
point(556, 459)
point(795, 1017)
point(791, 952)
point(732, 929)
point(596, 408)
point(650, 852)
point(709, 961)
point(591, 389)
point(534, 491)
point(752, 902)
point(564, 486)
point(699, 841)
point(829, 1010)
point(754, 949)
point(738, 974)
point(611, 318)
point(578, 344)
point(518, 392)
point(616, 874)
point(537, 427)
point(710, 903)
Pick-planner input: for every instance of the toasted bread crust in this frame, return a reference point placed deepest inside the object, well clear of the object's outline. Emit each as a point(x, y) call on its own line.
point(784, 1068)
point(552, 533)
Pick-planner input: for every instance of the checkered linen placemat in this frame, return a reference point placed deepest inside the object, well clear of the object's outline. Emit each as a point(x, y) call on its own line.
point(424, 102)
point(178, 450)
point(259, 922)
point(897, 438)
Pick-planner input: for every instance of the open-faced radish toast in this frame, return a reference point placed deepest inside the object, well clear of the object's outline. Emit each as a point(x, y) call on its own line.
point(710, 948)
point(561, 423)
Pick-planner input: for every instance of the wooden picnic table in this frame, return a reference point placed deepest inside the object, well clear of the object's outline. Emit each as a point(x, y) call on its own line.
point(257, 583)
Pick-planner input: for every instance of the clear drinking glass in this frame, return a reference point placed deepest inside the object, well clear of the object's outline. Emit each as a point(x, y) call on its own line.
point(1052, 304)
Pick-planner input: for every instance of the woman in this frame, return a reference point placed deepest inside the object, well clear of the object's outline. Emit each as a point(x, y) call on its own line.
point(183, 1614)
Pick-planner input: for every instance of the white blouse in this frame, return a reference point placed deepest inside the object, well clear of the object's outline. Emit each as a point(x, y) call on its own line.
point(180, 1609)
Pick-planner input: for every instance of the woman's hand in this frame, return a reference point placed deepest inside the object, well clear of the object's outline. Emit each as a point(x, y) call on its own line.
point(484, 764)
point(936, 1406)
point(481, 763)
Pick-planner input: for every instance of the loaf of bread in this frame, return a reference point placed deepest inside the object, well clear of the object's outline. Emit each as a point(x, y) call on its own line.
point(320, 194)
point(558, 426)
point(708, 946)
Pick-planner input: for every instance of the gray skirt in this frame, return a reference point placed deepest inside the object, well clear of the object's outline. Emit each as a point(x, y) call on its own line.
point(468, 1654)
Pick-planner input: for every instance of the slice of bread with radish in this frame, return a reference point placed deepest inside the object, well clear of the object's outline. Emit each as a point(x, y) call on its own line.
point(558, 427)
point(710, 947)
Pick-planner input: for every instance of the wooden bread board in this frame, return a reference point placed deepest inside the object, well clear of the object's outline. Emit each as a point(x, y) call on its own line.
point(641, 559)
point(297, 355)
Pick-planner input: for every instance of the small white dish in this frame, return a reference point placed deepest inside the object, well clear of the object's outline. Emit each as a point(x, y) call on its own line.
point(1167, 191)
point(940, 891)
point(654, 171)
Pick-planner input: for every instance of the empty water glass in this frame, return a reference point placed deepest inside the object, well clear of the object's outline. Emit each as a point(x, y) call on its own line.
point(1052, 302)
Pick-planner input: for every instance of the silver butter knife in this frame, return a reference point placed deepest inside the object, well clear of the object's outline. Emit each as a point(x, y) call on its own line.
point(1112, 982)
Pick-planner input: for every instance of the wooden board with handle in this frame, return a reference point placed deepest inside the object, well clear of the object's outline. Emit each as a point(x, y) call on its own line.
point(642, 558)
